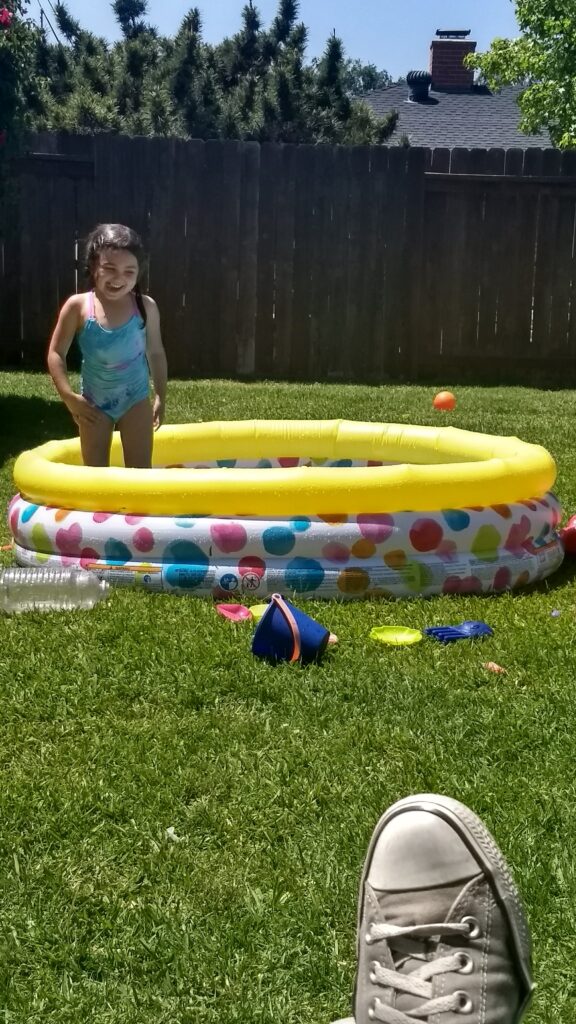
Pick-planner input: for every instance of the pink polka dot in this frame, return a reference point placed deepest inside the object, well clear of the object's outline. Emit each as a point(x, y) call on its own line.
point(376, 528)
point(87, 557)
point(426, 535)
point(133, 521)
point(101, 517)
point(335, 552)
point(288, 462)
point(455, 585)
point(68, 539)
point(518, 536)
point(14, 521)
point(253, 564)
point(229, 536)
point(503, 578)
point(143, 539)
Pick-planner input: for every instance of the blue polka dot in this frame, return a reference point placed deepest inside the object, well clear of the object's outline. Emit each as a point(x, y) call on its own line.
point(304, 574)
point(341, 462)
point(456, 518)
point(278, 540)
point(184, 552)
point(185, 522)
point(226, 463)
point(29, 512)
point(184, 577)
point(116, 551)
point(264, 464)
point(300, 525)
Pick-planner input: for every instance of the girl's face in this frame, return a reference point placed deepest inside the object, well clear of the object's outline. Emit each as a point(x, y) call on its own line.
point(116, 273)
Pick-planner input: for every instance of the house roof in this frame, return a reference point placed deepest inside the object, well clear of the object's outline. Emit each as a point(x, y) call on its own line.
point(472, 118)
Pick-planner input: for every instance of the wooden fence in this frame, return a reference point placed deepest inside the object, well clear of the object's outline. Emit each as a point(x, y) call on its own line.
point(310, 262)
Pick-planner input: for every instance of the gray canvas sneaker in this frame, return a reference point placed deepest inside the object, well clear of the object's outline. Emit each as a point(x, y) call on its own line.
point(442, 935)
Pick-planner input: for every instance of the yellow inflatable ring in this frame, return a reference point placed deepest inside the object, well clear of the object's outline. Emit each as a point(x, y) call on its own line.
point(416, 468)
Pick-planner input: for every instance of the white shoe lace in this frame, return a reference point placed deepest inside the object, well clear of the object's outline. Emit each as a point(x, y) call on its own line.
point(417, 982)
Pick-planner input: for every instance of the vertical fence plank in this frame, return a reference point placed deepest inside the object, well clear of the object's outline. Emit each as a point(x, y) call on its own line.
point(379, 175)
point(284, 252)
point(562, 311)
point(397, 315)
point(490, 270)
point(270, 164)
point(415, 321)
point(356, 322)
point(319, 353)
point(476, 160)
point(229, 258)
point(303, 232)
point(248, 259)
point(453, 268)
point(189, 168)
point(204, 253)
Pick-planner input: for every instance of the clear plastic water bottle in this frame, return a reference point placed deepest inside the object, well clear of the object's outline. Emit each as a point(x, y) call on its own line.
point(25, 590)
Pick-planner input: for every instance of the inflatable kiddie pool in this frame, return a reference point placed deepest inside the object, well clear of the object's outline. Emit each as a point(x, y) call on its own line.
point(318, 508)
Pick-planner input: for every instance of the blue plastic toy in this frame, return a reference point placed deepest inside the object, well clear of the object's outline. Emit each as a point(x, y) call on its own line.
point(471, 629)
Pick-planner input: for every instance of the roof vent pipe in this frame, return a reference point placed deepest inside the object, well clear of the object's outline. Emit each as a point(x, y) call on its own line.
point(419, 85)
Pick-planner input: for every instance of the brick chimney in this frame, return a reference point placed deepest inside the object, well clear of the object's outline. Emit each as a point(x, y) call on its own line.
point(447, 53)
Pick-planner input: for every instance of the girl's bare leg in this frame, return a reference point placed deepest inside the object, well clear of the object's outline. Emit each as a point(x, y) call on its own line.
point(95, 441)
point(137, 433)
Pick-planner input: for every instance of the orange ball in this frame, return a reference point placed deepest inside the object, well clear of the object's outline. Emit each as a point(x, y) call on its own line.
point(445, 400)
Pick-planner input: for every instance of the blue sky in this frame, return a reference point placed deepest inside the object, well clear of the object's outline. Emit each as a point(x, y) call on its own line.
point(393, 34)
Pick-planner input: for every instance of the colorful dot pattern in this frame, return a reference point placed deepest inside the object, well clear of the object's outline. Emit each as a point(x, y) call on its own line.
point(481, 550)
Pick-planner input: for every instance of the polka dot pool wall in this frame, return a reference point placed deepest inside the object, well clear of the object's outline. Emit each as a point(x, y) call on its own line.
point(472, 550)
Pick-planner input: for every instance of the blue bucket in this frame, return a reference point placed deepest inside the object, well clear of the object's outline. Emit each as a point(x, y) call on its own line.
point(284, 633)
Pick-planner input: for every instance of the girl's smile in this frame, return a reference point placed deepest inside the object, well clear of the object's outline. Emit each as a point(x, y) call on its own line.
point(116, 273)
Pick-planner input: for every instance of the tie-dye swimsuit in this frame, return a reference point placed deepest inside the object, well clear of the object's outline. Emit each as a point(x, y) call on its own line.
point(114, 368)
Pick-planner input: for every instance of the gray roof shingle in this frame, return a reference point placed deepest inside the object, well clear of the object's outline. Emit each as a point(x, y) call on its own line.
point(475, 118)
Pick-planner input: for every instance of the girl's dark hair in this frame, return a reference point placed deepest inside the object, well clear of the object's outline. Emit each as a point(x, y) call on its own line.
point(116, 236)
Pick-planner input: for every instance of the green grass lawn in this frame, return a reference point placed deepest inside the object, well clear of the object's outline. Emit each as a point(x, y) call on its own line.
point(149, 714)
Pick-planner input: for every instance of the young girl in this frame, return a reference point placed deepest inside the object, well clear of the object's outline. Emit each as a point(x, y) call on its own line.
point(118, 331)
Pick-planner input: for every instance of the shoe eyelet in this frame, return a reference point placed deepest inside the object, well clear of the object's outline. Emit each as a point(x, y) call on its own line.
point(474, 930)
point(465, 1004)
point(466, 963)
point(368, 939)
point(371, 1012)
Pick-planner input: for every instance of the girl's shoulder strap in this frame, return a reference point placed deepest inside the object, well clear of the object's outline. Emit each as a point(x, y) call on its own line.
point(139, 307)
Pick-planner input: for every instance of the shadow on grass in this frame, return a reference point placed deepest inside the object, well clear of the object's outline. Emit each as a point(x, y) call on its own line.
point(30, 421)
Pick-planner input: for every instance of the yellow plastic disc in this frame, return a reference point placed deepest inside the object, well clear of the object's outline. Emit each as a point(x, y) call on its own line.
point(258, 611)
point(398, 636)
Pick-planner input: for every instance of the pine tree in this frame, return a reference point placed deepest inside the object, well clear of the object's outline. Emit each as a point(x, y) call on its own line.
point(255, 84)
point(69, 27)
point(129, 15)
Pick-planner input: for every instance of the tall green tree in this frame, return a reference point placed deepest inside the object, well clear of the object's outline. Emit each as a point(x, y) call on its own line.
point(542, 60)
point(130, 15)
point(360, 78)
point(255, 84)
